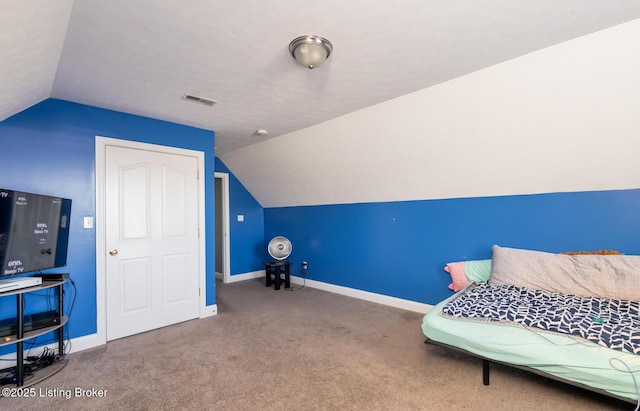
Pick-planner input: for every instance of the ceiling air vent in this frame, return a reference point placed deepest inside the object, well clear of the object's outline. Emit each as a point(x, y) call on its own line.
point(202, 100)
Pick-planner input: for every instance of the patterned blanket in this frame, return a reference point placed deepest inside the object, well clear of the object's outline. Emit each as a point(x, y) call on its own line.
point(608, 322)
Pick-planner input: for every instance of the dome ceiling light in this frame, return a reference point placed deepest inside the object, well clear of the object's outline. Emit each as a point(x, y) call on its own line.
point(310, 51)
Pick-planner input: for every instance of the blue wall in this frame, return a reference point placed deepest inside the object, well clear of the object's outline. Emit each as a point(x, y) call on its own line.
point(392, 248)
point(50, 149)
point(399, 249)
point(246, 237)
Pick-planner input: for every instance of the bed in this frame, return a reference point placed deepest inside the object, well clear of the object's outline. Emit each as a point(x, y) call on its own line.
point(506, 315)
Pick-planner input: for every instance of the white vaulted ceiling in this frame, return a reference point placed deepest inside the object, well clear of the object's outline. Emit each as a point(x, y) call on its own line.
point(142, 56)
point(31, 39)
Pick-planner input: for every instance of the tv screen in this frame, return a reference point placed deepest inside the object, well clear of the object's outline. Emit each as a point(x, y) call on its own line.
point(34, 232)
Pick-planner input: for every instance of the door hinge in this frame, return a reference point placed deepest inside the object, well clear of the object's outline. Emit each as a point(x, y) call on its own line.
point(198, 174)
point(198, 232)
point(198, 291)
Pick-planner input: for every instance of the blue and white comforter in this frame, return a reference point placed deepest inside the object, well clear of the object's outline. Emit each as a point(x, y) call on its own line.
point(609, 322)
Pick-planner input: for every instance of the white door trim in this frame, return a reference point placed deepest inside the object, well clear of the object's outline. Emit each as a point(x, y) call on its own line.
point(226, 253)
point(101, 290)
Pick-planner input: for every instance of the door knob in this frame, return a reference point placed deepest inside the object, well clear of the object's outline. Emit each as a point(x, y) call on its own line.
point(113, 252)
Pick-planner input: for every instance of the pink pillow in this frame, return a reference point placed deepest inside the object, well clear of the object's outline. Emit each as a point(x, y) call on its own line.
point(457, 276)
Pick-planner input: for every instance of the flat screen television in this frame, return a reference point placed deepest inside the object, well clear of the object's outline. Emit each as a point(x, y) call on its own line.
point(34, 232)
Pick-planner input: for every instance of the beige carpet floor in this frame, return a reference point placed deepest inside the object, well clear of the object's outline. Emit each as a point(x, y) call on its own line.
point(295, 350)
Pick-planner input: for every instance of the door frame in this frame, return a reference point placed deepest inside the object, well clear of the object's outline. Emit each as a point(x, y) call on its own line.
point(101, 144)
point(226, 249)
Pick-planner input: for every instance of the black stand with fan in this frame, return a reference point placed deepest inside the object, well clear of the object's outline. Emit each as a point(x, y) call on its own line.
point(279, 248)
point(276, 269)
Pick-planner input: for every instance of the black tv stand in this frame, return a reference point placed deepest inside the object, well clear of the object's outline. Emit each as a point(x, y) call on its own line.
point(21, 334)
point(30, 322)
point(52, 277)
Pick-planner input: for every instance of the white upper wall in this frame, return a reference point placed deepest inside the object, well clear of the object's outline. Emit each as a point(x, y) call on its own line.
point(562, 119)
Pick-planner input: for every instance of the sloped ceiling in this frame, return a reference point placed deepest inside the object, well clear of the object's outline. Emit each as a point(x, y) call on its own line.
point(142, 56)
point(561, 119)
point(31, 39)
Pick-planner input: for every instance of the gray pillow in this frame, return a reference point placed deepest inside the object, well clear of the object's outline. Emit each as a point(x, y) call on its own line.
point(614, 276)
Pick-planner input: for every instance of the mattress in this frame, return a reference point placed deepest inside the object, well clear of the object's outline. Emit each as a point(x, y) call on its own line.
point(566, 357)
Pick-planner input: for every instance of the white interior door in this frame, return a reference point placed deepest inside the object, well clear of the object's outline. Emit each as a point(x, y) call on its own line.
point(151, 235)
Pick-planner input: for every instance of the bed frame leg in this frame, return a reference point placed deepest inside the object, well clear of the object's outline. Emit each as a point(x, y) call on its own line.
point(485, 371)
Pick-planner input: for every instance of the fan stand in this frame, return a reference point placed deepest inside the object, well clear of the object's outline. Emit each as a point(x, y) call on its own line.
point(276, 269)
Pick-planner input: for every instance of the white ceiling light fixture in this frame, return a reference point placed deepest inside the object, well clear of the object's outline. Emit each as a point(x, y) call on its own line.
point(310, 51)
point(261, 132)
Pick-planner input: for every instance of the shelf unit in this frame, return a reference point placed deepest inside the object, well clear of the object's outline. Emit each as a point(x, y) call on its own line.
point(21, 336)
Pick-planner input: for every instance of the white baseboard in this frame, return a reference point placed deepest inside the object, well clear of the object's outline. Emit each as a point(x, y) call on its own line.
point(74, 345)
point(365, 295)
point(209, 310)
point(84, 343)
point(246, 276)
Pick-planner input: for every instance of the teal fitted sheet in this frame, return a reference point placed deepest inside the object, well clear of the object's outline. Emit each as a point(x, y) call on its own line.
point(566, 357)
